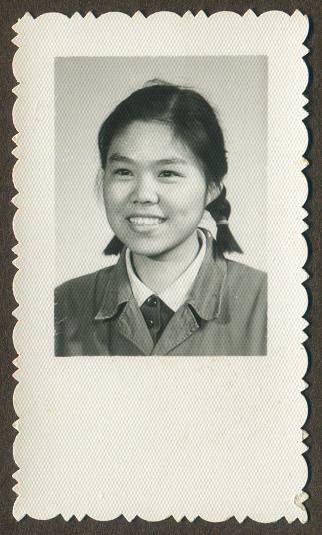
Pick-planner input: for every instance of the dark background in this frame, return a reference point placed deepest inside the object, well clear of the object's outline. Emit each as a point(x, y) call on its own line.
point(11, 11)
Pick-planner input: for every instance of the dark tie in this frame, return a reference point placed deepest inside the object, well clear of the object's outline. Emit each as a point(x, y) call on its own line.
point(157, 315)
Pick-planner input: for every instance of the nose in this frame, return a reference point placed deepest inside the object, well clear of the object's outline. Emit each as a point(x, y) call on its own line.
point(145, 190)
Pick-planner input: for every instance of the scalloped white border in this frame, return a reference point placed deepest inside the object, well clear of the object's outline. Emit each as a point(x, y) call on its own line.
point(275, 382)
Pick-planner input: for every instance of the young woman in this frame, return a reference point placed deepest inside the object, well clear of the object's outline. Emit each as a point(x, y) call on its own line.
point(172, 291)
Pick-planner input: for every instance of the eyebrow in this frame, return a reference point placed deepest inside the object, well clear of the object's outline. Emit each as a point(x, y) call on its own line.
point(167, 161)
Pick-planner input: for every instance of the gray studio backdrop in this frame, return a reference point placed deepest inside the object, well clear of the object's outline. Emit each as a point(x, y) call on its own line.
point(86, 91)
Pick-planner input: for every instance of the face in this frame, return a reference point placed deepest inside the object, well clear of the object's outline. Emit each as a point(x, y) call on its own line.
point(154, 190)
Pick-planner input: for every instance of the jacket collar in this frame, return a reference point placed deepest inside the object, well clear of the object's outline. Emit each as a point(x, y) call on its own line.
point(118, 290)
point(205, 297)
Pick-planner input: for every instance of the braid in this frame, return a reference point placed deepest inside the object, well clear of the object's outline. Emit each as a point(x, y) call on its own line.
point(219, 210)
point(114, 247)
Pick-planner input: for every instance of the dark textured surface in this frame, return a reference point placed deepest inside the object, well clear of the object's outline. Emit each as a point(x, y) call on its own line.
point(11, 10)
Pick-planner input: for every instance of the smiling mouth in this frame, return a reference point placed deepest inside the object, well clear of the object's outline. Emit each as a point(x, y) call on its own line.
point(146, 221)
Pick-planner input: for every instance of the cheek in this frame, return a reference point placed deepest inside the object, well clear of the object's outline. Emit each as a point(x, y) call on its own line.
point(190, 200)
point(114, 196)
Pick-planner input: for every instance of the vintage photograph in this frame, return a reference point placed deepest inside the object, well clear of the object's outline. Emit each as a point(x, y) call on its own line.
point(163, 167)
point(160, 329)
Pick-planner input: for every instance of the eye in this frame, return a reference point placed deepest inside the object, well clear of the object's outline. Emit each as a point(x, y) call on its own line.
point(168, 174)
point(122, 172)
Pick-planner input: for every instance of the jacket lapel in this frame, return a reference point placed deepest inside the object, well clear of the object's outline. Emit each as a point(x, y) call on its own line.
point(208, 291)
point(207, 301)
point(182, 325)
point(129, 322)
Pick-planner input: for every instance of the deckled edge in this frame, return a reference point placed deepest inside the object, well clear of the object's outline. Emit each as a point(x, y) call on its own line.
point(140, 17)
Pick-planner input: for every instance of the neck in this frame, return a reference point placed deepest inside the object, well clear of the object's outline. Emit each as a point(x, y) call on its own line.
point(159, 272)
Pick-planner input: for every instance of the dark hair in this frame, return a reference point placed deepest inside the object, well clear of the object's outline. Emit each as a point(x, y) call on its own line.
point(189, 114)
point(193, 121)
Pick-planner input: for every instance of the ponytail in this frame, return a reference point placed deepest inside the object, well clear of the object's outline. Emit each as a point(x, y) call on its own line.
point(219, 210)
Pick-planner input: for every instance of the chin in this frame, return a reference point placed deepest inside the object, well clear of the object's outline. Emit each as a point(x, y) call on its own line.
point(146, 249)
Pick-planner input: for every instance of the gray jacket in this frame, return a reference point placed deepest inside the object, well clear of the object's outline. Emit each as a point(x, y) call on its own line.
point(225, 314)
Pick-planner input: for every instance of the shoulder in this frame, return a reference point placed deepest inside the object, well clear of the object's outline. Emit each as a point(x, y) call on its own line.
point(243, 275)
point(240, 269)
point(83, 288)
point(247, 291)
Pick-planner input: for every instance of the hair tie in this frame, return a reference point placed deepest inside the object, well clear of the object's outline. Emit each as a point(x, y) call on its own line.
point(219, 210)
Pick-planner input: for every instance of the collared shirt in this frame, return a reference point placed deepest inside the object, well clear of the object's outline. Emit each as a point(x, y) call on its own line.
point(175, 294)
point(224, 313)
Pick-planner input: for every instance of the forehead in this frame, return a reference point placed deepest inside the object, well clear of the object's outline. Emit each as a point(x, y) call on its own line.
point(149, 141)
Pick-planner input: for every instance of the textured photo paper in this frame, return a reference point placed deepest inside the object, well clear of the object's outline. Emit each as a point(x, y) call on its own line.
point(108, 426)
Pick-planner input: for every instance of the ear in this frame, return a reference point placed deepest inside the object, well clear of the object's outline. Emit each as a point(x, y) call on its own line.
point(213, 191)
point(100, 175)
point(99, 183)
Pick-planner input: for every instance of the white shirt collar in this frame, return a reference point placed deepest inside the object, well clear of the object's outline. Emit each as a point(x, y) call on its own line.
point(176, 294)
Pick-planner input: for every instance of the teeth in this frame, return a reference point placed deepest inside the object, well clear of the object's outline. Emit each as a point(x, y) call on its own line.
point(146, 221)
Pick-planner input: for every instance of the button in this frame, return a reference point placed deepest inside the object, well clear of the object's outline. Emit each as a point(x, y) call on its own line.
point(150, 323)
point(152, 301)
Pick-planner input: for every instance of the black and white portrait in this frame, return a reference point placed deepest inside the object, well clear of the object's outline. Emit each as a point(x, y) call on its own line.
point(160, 215)
point(181, 145)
